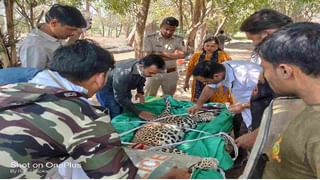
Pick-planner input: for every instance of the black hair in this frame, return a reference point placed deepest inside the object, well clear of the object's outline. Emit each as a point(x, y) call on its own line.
point(221, 31)
point(207, 69)
point(81, 60)
point(171, 21)
point(212, 38)
point(297, 44)
point(264, 19)
point(214, 56)
point(66, 15)
point(152, 59)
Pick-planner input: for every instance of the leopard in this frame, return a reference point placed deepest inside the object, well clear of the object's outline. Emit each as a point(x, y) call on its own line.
point(171, 129)
point(204, 164)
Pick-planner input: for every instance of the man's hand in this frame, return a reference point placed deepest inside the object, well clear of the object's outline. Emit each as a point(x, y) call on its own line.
point(148, 116)
point(236, 108)
point(247, 141)
point(186, 86)
point(75, 36)
point(139, 146)
point(194, 109)
point(140, 97)
point(177, 54)
point(239, 107)
point(177, 173)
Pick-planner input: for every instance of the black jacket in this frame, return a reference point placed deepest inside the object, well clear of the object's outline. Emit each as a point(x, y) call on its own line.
point(124, 78)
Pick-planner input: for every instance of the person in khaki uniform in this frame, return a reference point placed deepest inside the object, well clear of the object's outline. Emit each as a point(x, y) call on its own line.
point(290, 59)
point(170, 47)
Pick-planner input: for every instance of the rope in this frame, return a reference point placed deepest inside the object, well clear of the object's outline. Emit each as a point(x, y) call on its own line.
point(221, 171)
point(130, 122)
point(127, 143)
point(131, 130)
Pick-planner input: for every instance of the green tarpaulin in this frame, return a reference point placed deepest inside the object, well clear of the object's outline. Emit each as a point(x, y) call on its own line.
point(211, 147)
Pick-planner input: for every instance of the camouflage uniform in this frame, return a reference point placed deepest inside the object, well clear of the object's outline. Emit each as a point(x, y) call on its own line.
point(37, 136)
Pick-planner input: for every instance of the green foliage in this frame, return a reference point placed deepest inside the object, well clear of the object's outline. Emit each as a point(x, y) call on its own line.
point(121, 7)
point(76, 3)
point(300, 10)
point(162, 9)
point(237, 10)
point(114, 13)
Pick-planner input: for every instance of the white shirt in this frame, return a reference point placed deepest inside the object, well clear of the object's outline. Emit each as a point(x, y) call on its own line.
point(53, 79)
point(36, 50)
point(255, 58)
point(241, 77)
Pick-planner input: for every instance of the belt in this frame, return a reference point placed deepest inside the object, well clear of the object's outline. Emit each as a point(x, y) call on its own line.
point(169, 70)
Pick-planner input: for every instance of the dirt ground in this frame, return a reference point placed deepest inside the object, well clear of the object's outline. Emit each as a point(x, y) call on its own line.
point(237, 49)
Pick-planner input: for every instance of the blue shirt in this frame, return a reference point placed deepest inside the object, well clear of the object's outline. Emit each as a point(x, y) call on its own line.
point(17, 74)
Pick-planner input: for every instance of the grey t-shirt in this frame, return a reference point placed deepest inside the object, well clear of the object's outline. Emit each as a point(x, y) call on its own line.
point(37, 49)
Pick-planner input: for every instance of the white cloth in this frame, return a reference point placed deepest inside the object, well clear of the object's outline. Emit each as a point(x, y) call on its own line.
point(53, 79)
point(241, 77)
point(36, 50)
point(255, 58)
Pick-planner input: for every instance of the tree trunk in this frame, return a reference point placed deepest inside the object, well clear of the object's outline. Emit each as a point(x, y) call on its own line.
point(180, 16)
point(12, 54)
point(142, 15)
point(31, 15)
point(22, 7)
point(102, 26)
point(103, 29)
point(110, 31)
point(201, 10)
point(201, 33)
point(150, 28)
point(220, 25)
point(118, 30)
point(88, 7)
point(5, 54)
point(194, 26)
point(39, 17)
point(127, 30)
point(130, 38)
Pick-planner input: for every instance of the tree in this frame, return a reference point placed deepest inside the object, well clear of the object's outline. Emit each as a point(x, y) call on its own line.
point(26, 10)
point(200, 11)
point(8, 42)
point(179, 4)
point(140, 9)
point(299, 10)
point(141, 20)
point(76, 3)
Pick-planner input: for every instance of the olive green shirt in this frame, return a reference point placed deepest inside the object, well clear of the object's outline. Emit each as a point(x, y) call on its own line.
point(296, 153)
